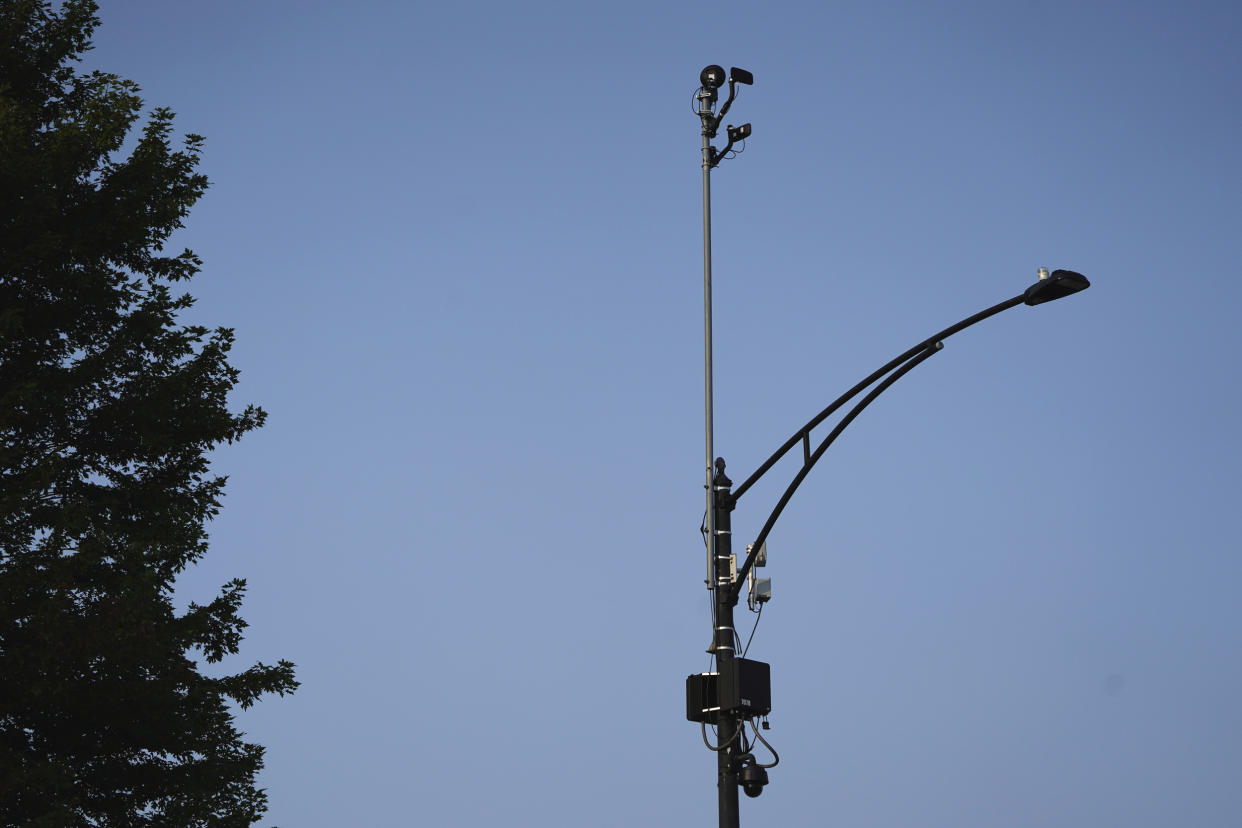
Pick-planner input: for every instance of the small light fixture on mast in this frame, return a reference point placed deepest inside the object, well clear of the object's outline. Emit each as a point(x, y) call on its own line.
point(712, 77)
point(740, 133)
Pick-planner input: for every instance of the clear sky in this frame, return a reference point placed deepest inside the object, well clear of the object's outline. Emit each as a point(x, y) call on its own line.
point(461, 247)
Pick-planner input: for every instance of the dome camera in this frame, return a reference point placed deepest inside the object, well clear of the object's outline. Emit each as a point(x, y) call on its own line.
point(712, 77)
point(752, 779)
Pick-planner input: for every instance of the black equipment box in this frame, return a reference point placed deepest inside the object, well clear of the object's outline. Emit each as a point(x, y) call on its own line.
point(742, 687)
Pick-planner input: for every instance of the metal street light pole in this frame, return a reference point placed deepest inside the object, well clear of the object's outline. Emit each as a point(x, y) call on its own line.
point(720, 558)
point(739, 689)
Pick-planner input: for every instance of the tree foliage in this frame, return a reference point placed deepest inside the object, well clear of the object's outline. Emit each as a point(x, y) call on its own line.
point(108, 408)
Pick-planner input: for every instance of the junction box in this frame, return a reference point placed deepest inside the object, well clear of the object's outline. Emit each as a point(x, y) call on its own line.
point(742, 688)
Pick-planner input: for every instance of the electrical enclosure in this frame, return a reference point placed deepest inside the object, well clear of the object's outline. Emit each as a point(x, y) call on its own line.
point(743, 687)
point(701, 698)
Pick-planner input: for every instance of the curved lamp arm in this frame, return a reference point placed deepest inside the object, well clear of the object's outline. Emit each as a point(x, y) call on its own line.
point(1060, 283)
point(819, 452)
point(803, 434)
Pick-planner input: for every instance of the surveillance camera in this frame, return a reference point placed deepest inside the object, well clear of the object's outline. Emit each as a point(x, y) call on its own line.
point(752, 779)
point(712, 77)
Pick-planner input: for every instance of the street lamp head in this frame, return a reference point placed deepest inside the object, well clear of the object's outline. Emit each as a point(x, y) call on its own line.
point(1060, 283)
point(712, 77)
point(741, 76)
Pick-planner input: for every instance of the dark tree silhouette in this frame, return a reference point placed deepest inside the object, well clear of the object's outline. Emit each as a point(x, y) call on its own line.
point(108, 408)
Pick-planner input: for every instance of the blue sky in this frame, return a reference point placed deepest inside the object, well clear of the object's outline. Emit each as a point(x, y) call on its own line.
point(460, 245)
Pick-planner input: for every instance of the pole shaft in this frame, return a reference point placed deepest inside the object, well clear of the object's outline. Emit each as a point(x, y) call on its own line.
point(723, 642)
point(719, 506)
